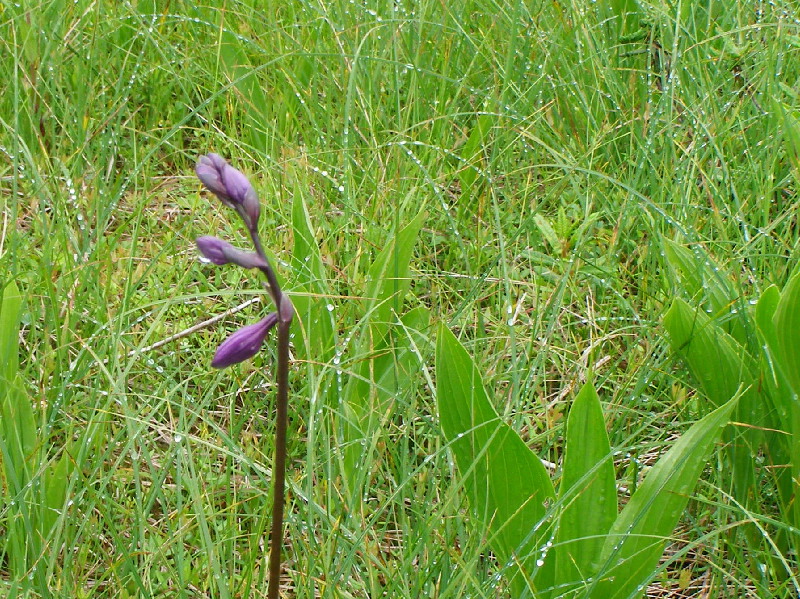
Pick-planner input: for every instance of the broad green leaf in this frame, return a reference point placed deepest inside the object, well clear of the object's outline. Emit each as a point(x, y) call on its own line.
point(387, 283)
point(588, 486)
point(787, 327)
point(724, 369)
point(17, 424)
point(786, 340)
point(765, 313)
point(398, 364)
point(780, 445)
point(374, 385)
point(716, 360)
point(471, 153)
point(9, 331)
point(55, 490)
point(701, 278)
point(311, 300)
point(17, 432)
point(508, 488)
point(789, 120)
point(636, 540)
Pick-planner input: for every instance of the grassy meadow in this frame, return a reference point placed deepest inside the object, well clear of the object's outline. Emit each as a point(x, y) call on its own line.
point(550, 150)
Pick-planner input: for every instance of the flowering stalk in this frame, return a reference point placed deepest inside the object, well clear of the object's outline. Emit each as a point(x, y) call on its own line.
point(235, 191)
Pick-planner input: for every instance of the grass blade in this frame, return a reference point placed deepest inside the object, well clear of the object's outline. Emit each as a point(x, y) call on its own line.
point(313, 312)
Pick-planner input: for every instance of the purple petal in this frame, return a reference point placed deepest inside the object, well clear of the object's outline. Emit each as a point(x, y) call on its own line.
point(252, 207)
point(243, 259)
point(222, 252)
point(214, 249)
point(236, 184)
point(244, 343)
point(209, 171)
point(230, 186)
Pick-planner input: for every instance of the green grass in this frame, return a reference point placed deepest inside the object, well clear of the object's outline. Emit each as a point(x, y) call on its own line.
point(550, 155)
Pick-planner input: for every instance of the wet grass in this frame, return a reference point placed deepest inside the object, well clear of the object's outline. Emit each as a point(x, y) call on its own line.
point(550, 150)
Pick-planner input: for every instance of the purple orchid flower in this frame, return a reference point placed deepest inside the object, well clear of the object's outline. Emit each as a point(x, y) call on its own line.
point(235, 191)
point(230, 186)
point(244, 343)
point(222, 252)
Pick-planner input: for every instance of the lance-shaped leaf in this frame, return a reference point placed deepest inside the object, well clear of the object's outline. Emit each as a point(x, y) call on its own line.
point(17, 423)
point(724, 369)
point(782, 332)
point(508, 488)
point(588, 492)
point(389, 278)
point(787, 326)
point(702, 279)
point(636, 540)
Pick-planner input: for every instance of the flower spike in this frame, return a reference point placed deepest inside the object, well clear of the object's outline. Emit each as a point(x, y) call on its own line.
point(235, 191)
point(230, 186)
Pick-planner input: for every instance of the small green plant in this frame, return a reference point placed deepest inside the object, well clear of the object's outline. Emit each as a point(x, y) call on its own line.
point(732, 345)
point(386, 353)
point(32, 487)
point(573, 543)
point(235, 191)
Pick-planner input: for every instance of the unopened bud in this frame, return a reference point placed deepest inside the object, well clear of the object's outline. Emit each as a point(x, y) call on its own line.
point(222, 252)
point(230, 186)
point(244, 343)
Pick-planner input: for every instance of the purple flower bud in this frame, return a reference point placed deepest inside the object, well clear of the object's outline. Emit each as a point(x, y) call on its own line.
point(209, 171)
point(230, 186)
point(222, 252)
point(286, 309)
point(244, 343)
point(212, 248)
